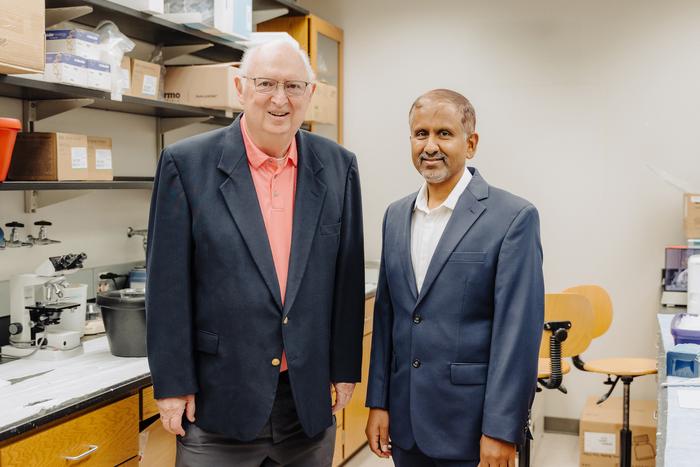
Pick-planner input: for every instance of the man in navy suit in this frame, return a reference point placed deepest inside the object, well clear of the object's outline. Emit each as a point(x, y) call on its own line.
point(459, 306)
point(255, 288)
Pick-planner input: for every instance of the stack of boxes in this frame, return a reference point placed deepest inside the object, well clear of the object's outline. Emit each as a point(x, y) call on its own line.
point(73, 57)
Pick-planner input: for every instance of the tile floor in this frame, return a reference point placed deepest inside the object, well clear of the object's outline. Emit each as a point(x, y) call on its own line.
point(556, 451)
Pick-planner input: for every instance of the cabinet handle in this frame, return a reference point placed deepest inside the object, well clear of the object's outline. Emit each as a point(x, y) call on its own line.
point(93, 448)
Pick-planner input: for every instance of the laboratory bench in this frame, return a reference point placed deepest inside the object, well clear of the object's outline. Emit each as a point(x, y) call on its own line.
point(678, 428)
point(93, 407)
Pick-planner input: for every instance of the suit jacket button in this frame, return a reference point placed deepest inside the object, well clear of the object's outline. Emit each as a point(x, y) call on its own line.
point(416, 363)
point(417, 319)
point(276, 362)
point(285, 320)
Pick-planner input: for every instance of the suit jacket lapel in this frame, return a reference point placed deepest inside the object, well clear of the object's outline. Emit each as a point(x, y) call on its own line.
point(405, 247)
point(241, 198)
point(310, 193)
point(467, 211)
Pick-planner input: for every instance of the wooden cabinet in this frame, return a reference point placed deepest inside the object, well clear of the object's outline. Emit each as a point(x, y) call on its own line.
point(324, 44)
point(148, 403)
point(107, 436)
point(355, 413)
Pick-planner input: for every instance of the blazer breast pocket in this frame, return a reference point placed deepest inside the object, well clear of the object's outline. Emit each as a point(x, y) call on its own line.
point(328, 230)
point(207, 342)
point(467, 257)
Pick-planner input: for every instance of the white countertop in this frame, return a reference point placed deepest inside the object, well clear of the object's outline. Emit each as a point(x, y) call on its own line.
point(64, 383)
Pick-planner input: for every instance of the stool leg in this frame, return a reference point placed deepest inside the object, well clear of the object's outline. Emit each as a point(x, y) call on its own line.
point(625, 433)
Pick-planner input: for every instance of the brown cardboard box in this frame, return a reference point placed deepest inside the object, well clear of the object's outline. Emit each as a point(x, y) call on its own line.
point(145, 78)
point(99, 158)
point(324, 105)
point(126, 72)
point(22, 45)
point(157, 446)
point(208, 86)
point(49, 157)
point(692, 215)
point(599, 433)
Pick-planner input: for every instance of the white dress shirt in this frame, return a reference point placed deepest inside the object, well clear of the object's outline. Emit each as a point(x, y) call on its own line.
point(427, 226)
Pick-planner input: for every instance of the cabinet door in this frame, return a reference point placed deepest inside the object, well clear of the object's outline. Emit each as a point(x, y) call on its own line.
point(355, 412)
point(326, 54)
point(106, 437)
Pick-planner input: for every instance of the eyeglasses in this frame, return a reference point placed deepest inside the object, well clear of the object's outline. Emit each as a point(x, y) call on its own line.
point(293, 88)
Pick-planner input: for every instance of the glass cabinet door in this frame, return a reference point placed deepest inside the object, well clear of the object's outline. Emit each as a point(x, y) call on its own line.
point(326, 53)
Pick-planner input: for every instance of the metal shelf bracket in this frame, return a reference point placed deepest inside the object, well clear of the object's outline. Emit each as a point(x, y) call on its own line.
point(34, 200)
point(165, 125)
point(33, 111)
point(260, 16)
point(171, 52)
point(55, 16)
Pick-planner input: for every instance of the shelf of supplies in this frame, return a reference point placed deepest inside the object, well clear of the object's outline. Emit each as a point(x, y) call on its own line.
point(119, 183)
point(33, 89)
point(148, 28)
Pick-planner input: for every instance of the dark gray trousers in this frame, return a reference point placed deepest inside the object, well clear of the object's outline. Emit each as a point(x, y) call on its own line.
point(414, 457)
point(282, 442)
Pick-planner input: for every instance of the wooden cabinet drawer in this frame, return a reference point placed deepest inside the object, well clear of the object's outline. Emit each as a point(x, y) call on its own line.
point(148, 403)
point(111, 433)
point(369, 315)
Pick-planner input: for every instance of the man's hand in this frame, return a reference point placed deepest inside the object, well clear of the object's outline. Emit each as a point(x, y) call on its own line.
point(377, 432)
point(171, 409)
point(343, 394)
point(496, 453)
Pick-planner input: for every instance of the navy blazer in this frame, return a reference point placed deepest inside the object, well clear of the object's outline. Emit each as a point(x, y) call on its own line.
point(459, 359)
point(215, 318)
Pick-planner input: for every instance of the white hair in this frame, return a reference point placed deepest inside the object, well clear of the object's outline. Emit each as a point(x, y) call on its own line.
point(252, 51)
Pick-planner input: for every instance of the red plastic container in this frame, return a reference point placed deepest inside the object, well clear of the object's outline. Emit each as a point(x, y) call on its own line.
point(8, 134)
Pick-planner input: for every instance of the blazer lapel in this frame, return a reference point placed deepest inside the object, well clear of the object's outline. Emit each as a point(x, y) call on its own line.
point(405, 247)
point(467, 211)
point(310, 194)
point(241, 198)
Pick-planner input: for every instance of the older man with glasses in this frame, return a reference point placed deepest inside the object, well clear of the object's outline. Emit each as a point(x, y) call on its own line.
point(256, 279)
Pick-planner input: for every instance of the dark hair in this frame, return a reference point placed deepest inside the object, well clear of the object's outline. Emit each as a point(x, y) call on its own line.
point(451, 97)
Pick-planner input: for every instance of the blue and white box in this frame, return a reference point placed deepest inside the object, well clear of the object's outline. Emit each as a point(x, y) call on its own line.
point(99, 75)
point(66, 68)
point(77, 42)
point(242, 18)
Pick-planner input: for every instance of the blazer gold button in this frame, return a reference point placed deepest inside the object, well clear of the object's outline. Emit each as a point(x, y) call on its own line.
point(285, 320)
point(276, 362)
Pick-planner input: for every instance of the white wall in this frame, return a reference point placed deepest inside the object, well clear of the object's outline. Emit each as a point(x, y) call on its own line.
point(573, 100)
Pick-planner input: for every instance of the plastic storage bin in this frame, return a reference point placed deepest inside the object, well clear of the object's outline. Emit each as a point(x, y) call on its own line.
point(8, 134)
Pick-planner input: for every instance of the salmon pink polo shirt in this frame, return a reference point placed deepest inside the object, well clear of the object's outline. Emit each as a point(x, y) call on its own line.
point(275, 182)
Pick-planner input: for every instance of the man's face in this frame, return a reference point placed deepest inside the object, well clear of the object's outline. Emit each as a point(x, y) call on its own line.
point(440, 146)
point(274, 114)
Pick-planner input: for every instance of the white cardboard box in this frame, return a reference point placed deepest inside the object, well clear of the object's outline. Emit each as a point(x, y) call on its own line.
point(66, 68)
point(84, 44)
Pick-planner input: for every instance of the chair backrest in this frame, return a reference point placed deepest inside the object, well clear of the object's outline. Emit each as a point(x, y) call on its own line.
point(568, 307)
point(602, 306)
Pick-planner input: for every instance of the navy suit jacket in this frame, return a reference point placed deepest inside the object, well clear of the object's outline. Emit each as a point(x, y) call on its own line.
point(214, 312)
point(459, 359)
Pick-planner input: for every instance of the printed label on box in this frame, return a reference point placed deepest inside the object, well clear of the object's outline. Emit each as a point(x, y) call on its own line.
point(78, 158)
point(599, 443)
point(149, 87)
point(103, 159)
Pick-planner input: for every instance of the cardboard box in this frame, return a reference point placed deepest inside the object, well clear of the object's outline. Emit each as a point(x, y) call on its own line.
point(211, 16)
point(99, 158)
point(599, 433)
point(324, 105)
point(84, 44)
point(126, 74)
point(66, 68)
point(208, 86)
point(22, 45)
point(99, 75)
point(145, 78)
point(49, 157)
point(692, 215)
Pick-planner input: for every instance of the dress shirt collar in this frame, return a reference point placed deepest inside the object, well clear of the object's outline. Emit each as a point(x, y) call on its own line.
point(257, 157)
point(451, 201)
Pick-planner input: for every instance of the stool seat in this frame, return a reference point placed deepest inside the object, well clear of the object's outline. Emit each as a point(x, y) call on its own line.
point(622, 366)
point(544, 368)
